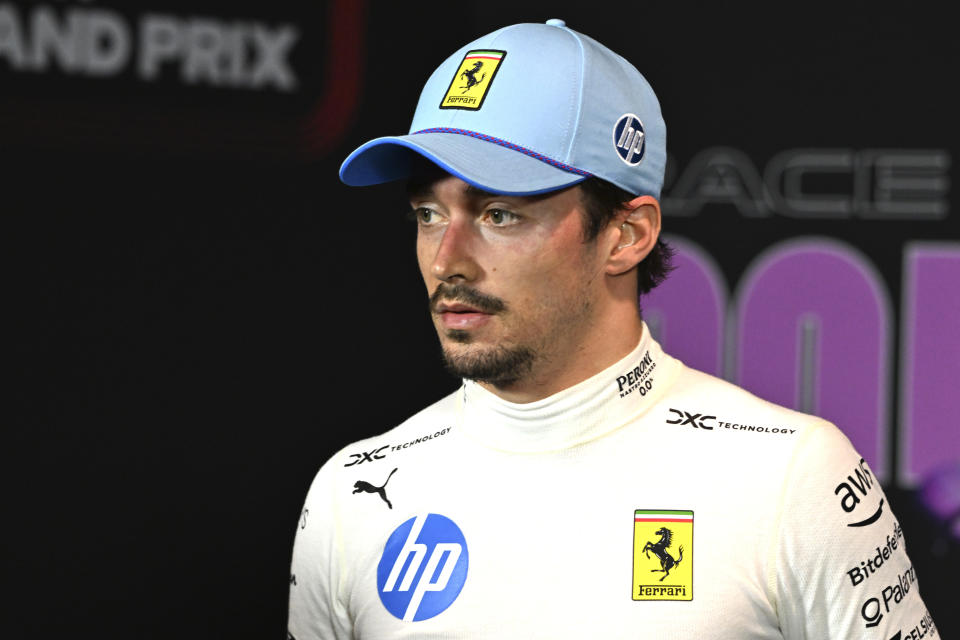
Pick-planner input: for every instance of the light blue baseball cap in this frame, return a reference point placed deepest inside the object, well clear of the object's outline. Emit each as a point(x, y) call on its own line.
point(528, 109)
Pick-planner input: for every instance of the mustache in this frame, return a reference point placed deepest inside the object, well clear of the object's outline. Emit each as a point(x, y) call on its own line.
point(465, 295)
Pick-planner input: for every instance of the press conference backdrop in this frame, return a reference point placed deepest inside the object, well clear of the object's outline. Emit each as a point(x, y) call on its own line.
point(201, 314)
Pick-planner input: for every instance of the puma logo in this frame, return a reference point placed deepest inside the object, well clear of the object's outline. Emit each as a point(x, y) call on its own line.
point(365, 487)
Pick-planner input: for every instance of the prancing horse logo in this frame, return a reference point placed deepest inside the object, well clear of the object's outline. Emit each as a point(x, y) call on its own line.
point(660, 550)
point(471, 76)
point(366, 487)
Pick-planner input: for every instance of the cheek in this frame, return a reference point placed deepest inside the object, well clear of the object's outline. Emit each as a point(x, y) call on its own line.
point(544, 255)
point(424, 257)
point(559, 266)
point(548, 285)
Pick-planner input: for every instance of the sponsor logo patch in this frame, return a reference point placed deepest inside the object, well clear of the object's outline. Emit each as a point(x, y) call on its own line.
point(922, 630)
point(426, 438)
point(639, 379)
point(662, 554)
point(367, 456)
point(629, 141)
point(381, 452)
point(362, 486)
point(423, 567)
point(891, 595)
point(473, 79)
point(711, 422)
point(859, 483)
point(876, 560)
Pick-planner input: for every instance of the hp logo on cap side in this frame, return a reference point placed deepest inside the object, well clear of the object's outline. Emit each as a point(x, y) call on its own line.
point(629, 139)
point(423, 567)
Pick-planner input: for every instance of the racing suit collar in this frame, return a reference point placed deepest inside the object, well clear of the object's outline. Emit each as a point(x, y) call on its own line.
point(586, 411)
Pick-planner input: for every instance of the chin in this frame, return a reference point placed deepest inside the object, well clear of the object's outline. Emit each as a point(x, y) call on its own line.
point(496, 364)
point(458, 336)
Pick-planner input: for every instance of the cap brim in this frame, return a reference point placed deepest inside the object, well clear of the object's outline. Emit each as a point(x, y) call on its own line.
point(485, 165)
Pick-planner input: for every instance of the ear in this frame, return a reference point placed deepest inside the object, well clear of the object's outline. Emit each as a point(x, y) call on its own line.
point(636, 236)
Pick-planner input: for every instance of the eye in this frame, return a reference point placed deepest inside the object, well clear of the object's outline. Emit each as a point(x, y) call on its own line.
point(502, 217)
point(424, 215)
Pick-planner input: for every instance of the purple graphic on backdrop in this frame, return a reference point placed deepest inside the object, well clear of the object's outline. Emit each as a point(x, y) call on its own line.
point(940, 495)
point(813, 334)
point(687, 312)
point(930, 436)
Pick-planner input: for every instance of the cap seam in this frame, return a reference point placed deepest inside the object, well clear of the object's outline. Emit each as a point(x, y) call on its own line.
point(509, 145)
point(572, 135)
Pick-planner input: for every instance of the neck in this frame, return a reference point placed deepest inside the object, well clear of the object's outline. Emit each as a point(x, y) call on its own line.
point(591, 409)
point(584, 356)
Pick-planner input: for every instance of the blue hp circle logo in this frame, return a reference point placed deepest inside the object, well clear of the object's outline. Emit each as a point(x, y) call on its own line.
point(423, 567)
point(628, 139)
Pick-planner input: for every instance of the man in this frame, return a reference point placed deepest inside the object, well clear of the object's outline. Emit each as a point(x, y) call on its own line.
point(581, 483)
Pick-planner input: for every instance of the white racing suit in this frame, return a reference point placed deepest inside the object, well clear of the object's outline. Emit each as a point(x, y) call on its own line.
point(649, 501)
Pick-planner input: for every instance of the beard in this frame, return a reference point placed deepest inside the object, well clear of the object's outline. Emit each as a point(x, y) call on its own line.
point(499, 365)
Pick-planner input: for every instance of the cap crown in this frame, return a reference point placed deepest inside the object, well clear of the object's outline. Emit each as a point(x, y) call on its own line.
point(560, 94)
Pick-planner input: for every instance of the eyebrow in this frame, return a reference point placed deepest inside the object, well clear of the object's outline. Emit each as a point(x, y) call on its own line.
point(418, 189)
point(477, 192)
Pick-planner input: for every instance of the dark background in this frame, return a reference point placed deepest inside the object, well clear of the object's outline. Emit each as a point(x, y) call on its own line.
point(201, 314)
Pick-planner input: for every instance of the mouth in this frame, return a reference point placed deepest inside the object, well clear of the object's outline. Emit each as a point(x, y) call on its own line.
point(455, 315)
point(457, 307)
point(462, 308)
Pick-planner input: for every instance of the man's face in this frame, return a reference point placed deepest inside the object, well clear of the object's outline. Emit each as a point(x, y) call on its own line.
point(512, 283)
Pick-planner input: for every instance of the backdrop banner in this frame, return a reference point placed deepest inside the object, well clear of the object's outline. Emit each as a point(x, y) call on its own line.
point(202, 313)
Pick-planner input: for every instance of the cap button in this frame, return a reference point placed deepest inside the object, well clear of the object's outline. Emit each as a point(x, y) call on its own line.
point(556, 22)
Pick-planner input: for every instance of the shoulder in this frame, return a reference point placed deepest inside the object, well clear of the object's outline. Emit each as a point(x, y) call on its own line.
point(429, 425)
point(723, 406)
point(814, 469)
point(815, 461)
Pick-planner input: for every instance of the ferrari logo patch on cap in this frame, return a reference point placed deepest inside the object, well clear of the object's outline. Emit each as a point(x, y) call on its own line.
point(662, 554)
point(472, 80)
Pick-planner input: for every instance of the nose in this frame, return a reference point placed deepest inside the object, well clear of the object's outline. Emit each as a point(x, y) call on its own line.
point(453, 259)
